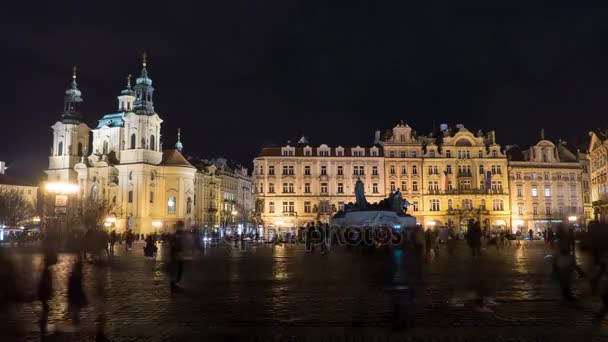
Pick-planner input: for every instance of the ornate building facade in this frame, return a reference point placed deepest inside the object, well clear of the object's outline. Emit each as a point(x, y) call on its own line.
point(598, 169)
point(125, 164)
point(447, 178)
point(546, 185)
point(301, 183)
point(464, 178)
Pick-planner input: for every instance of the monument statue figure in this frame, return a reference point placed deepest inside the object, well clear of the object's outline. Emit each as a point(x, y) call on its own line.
point(397, 203)
point(361, 202)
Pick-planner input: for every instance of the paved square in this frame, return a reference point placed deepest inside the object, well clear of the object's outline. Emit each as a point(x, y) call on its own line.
point(266, 292)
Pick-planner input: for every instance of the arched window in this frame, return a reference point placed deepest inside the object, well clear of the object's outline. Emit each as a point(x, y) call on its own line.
point(80, 150)
point(171, 205)
point(483, 204)
point(152, 142)
point(133, 141)
point(60, 149)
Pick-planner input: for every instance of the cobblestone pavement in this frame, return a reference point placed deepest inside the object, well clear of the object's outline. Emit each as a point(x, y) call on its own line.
point(281, 293)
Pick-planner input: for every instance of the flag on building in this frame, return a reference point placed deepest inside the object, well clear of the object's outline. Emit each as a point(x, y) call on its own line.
point(445, 181)
point(488, 180)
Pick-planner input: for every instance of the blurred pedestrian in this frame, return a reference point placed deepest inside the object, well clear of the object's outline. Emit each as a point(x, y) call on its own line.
point(45, 293)
point(76, 296)
point(176, 263)
point(113, 239)
point(474, 238)
point(419, 239)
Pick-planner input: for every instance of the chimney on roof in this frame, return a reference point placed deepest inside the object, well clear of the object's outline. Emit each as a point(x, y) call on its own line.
point(459, 126)
point(443, 127)
point(2, 167)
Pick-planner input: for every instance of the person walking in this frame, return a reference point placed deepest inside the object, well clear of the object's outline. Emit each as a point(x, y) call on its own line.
point(113, 239)
point(76, 296)
point(176, 263)
point(474, 237)
point(45, 293)
point(531, 235)
point(451, 240)
point(550, 236)
point(419, 239)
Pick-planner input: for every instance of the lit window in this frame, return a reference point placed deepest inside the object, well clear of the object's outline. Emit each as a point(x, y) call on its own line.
point(171, 205)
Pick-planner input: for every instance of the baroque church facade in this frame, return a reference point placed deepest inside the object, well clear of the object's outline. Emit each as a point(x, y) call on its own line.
point(126, 165)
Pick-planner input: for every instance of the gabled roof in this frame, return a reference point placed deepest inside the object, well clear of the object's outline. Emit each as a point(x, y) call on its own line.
point(7, 180)
point(174, 158)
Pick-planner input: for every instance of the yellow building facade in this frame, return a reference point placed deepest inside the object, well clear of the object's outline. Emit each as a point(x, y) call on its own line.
point(598, 169)
point(464, 177)
point(546, 186)
point(448, 179)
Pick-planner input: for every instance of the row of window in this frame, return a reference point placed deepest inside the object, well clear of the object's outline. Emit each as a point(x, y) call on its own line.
point(547, 176)
point(548, 210)
point(288, 170)
point(289, 207)
point(461, 154)
point(289, 188)
point(290, 152)
point(467, 204)
point(547, 191)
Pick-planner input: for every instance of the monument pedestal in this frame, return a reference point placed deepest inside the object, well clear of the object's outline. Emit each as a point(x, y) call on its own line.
point(375, 219)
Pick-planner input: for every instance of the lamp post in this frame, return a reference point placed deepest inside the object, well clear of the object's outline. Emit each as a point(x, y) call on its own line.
point(62, 192)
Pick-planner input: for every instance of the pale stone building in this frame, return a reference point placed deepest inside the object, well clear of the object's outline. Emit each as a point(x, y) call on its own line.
point(598, 167)
point(233, 198)
point(126, 164)
point(447, 179)
point(207, 197)
point(27, 190)
point(546, 185)
point(403, 165)
point(464, 177)
point(301, 183)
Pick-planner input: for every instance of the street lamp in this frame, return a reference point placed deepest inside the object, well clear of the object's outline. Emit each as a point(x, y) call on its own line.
point(62, 191)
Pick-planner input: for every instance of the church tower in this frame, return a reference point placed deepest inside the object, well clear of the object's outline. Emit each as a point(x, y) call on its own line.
point(142, 123)
point(70, 137)
point(126, 97)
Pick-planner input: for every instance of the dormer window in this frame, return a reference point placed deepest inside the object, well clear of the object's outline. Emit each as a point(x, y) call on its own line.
point(323, 151)
point(358, 152)
point(373, 151)
point(288, 151)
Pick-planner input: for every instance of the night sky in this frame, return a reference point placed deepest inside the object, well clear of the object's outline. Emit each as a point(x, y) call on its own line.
point(236, 76)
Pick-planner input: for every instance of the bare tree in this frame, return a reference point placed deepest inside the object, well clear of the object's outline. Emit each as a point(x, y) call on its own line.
point(94, 212)
point(14, 207)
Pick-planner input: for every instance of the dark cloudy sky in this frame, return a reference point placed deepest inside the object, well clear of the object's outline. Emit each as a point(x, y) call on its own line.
point(237, 75)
